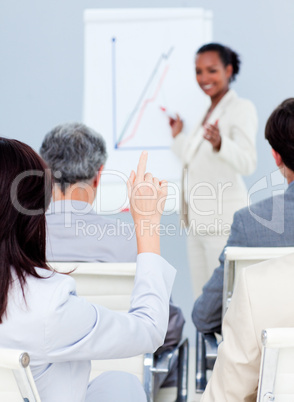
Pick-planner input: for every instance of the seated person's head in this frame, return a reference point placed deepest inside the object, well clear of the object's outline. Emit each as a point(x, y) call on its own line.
point(76, 155)
point(279, 132)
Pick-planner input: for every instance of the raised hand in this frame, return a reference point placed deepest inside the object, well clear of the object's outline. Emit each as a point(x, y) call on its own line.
point(147, 197)
point(176, 125)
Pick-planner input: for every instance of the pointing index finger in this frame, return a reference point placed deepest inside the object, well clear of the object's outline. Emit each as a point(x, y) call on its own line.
point(141, 169)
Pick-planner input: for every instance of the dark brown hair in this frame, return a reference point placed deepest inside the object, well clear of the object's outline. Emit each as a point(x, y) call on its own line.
point(279, 131)
point(25, 193)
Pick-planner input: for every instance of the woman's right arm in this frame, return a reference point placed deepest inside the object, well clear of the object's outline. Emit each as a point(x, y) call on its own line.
point(76, 329)
point(179, 144)
point(176, 125)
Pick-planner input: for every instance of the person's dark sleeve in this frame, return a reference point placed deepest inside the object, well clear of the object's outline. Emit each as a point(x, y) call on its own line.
point(175, 328)
point(207, 310)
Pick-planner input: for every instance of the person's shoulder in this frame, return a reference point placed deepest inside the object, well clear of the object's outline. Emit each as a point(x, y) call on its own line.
point(256, 213)
point(267, 222)
point(242, 104)
point(44, 294)
point(53, 283)
point(260, 206)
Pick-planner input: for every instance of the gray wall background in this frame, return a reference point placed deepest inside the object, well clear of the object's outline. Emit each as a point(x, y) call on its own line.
point(41, 80)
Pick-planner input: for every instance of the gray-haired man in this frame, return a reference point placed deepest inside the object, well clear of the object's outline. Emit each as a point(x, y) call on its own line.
point(76, 154)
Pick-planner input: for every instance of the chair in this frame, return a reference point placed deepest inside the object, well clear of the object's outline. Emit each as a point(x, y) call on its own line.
point(111, 285)
point(16, 380)
point(276, 377)
point(153, 366)
point(206, 352)
point(236, 258)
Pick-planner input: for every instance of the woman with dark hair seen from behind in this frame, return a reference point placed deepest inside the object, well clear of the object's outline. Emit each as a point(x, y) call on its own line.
point(215, 154)
point(22, 235)
point(40, 312)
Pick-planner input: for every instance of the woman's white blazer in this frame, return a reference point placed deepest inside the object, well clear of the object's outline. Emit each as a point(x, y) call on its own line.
point(212, 183)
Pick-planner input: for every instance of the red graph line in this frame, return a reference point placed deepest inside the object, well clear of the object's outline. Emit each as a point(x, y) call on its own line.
point(141, 113)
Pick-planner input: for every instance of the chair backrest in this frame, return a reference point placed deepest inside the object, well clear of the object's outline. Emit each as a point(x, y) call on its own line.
point(237, 258)
point(16, 380)
point(110, 285)
point(107, 284)
point(276, 378)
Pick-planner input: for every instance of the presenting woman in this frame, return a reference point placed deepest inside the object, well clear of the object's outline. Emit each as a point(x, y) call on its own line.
point(40, 311)
point(215, 155)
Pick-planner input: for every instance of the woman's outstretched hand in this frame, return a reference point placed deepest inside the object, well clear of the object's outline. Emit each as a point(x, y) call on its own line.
point(212, 135)
point(176, 125)
point(147, 197)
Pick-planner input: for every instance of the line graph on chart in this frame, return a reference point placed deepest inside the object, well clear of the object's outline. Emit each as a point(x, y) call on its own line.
point(137, 129)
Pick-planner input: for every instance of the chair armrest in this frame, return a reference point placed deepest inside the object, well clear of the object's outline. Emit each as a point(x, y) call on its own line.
point(183, 368)
point(163, 362)
point(206, 353)
point(211, 346)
